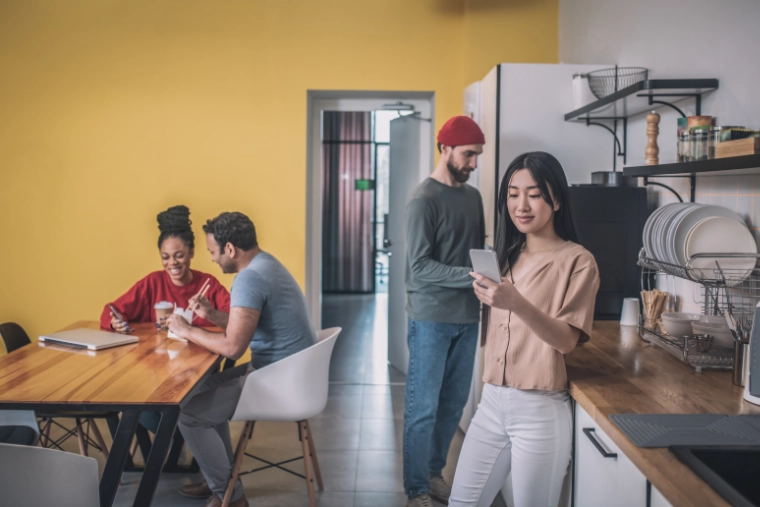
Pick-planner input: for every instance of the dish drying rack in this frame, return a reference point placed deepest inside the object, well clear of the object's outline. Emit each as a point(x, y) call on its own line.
point(733, 291)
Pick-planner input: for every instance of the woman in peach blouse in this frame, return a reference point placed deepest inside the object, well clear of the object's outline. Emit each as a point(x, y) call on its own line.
point(543, 307)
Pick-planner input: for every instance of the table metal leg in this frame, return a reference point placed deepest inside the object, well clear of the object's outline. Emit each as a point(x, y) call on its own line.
point(172, 463)
point(155, 461)
point(117, 458)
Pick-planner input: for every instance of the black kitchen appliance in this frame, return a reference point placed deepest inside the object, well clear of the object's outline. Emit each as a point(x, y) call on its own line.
point(610, 222)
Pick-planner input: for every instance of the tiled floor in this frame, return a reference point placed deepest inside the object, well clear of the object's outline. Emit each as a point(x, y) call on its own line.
point(358, 437)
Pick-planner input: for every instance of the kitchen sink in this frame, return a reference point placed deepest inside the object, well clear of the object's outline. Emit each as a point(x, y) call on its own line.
point(734, 472)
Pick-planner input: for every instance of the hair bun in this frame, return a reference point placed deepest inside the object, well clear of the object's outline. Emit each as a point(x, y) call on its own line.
point(175, 220)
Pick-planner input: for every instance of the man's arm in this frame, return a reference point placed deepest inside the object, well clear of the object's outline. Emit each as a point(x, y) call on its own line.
point(420, 236)
point(205, 311)
point(232, 343)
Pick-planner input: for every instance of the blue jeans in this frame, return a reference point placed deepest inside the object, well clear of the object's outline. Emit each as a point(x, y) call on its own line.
point(441, 360)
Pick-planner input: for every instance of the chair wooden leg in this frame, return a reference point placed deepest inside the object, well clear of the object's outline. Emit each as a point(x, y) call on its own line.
point(239, 455)
point(80, 438)
point(313, 453)
point(307, 463)
point(98, 438)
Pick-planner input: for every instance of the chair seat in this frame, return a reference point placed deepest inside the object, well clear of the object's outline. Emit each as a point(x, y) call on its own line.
point(292, 389)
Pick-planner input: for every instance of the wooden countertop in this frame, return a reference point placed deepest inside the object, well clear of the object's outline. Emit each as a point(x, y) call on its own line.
point(616, 372)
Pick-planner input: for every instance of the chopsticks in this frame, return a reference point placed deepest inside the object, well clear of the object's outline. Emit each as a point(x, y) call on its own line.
point(654, 305)
point(201, 293)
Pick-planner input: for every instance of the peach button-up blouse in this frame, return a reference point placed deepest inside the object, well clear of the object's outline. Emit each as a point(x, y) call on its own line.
point(562, 283)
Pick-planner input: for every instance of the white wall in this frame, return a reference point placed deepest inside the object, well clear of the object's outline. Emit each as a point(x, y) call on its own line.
point(679, 39)
point(674, 39)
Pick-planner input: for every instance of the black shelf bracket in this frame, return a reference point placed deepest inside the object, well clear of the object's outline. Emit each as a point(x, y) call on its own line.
point(622, 149)
point(692, 185)
point(697, 98)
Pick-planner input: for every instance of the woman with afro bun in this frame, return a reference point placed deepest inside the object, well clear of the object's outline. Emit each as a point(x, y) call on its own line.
point(175, 283)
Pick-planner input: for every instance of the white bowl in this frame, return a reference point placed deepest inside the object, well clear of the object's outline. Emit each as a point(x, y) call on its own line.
point(681, 316)
point(717, 320)
point(678, 324)
point(722, 336)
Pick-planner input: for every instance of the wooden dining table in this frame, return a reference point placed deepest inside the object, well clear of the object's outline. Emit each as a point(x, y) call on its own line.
point(155, 374)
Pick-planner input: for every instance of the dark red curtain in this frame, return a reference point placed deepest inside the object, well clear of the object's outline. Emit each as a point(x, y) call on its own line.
point(347, 237)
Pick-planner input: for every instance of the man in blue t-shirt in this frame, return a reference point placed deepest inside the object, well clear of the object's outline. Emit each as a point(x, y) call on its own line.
point(268, 314)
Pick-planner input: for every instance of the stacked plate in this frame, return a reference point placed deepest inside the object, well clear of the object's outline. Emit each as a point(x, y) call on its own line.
point(676, 232)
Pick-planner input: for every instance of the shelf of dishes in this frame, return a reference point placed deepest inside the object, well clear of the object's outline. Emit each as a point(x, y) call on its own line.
point(705, 274)
point(727, 301)
point(704, 243)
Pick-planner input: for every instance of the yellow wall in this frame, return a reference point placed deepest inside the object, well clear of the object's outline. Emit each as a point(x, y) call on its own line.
point(112, 111)
point(513, 31)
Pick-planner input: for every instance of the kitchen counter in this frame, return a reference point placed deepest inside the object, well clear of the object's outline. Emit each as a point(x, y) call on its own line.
point(616, 372)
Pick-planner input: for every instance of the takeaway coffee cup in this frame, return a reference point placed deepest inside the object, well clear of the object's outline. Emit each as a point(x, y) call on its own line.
point(163, 310)
point(631, 311)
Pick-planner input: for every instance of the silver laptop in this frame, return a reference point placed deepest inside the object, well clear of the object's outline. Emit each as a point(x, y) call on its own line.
point(90, 339)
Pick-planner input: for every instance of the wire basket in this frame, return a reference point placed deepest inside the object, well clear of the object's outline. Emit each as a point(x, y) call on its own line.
point(608, 81)
point(687, 348)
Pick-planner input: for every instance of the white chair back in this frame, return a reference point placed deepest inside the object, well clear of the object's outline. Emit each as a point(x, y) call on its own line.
point(39, 476)
point(291, 389)
point(21, 418)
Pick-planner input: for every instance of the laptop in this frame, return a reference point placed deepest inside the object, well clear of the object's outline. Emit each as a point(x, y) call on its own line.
point(90, 339)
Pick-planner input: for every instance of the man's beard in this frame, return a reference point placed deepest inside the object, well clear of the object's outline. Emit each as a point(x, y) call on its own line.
point(460, 175)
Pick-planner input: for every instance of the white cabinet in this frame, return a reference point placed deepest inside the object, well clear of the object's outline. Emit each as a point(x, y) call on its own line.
point(657, 500)
point(604, 476)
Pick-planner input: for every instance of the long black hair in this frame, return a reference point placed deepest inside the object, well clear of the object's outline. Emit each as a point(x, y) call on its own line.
point(175, 223)
point(552, 183)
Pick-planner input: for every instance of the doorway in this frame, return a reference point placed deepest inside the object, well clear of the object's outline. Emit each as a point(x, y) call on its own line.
point(353, 201)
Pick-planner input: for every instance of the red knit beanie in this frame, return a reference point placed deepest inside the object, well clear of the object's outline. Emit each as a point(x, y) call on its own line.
point(459, 131)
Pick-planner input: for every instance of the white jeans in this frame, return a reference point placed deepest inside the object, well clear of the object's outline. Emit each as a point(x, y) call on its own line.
point(527, 432)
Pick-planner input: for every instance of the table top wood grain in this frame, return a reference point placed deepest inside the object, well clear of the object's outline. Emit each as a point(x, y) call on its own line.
point(156, 370)
point(617, 373)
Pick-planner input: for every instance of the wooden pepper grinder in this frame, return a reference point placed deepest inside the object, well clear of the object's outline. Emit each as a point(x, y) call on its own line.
point(652, 152)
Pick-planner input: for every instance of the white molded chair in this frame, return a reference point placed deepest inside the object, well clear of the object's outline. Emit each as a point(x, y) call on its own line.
point(293, 389)
point(21, 419)
point(39, 476)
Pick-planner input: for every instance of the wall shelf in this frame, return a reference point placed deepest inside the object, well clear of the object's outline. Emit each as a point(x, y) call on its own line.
point(747, 164)
point(639, 98)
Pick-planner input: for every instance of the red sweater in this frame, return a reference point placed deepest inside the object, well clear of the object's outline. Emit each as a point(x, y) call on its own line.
point(137, 304)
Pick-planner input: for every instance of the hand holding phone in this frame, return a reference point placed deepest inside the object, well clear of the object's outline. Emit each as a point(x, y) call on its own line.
point(484, 262)
point(123, 326)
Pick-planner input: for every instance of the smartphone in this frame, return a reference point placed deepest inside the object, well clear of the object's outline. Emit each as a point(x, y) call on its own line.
point(119, 317)
point(484, 262)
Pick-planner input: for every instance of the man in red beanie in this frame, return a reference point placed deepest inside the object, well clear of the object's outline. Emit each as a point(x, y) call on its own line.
point(444, 221)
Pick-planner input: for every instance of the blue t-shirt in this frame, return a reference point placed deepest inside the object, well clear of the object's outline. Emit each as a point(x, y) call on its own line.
point(284, 327)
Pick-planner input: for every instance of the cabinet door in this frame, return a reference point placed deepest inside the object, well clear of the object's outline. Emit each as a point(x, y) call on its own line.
point(604, 476)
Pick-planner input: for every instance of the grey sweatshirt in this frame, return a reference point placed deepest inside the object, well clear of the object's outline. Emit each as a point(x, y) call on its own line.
point(442, 224)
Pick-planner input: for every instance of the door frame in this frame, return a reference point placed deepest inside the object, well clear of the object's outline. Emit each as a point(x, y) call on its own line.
point(339, 100)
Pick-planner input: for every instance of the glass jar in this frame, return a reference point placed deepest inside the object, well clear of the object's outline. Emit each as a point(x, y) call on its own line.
point(700, 141)
point(717, 134)
point(684, 147)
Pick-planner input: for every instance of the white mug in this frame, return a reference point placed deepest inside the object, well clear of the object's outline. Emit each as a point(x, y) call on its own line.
point(631, 311)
